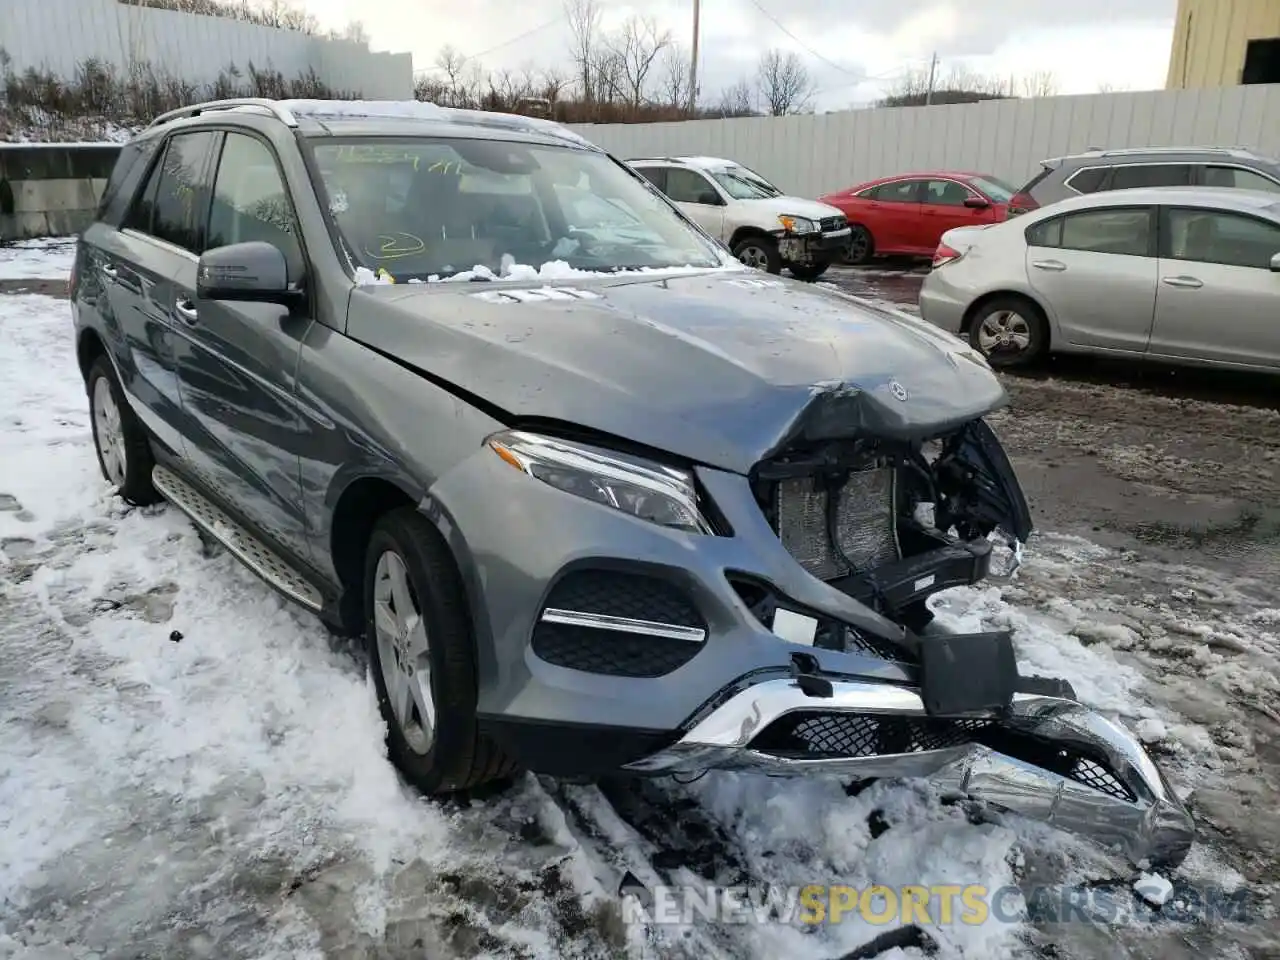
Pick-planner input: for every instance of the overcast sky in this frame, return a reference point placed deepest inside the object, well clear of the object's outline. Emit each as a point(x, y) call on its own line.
point(855, 50)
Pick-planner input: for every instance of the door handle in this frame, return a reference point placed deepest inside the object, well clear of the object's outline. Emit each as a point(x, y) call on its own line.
point(1056, 265)
point(110, 272)
point(1189, 282)
point(187, 311)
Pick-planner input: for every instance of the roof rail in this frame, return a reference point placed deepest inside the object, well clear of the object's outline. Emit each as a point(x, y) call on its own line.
point(273, 107)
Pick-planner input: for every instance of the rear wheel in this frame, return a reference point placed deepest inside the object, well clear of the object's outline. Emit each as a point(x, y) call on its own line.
point(759, 252)
point(1010, 332)
point(124, 452)
point(422, 651)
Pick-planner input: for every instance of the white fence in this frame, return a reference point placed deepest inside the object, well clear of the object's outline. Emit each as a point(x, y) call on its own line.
point(58, 35)
point(811, 155)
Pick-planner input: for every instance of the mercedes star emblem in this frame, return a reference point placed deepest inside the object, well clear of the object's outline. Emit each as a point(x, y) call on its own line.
point(898, 390)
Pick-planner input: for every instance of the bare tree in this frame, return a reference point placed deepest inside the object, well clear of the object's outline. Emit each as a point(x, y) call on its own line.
point(353, 32)
point(451, 61)
point(784, 83)
point(1042, 83)
point(674, 79)
point(637, 46)
point(737, 100)
point(959, 85)
point(584, 46)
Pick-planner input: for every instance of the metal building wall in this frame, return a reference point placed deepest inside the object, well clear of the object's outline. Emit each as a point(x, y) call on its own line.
point(1210, 37)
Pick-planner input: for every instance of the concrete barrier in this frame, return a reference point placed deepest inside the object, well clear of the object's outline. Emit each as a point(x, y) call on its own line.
point(51, 190)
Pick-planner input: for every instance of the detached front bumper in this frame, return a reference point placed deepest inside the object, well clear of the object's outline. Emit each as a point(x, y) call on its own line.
point(814, 247)
point(1052, 759)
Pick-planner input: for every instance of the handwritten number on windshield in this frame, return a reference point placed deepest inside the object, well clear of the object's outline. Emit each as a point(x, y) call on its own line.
point(394, 246)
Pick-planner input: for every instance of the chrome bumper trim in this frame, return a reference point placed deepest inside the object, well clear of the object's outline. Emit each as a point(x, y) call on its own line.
point(1154, 827)
point(598, 621)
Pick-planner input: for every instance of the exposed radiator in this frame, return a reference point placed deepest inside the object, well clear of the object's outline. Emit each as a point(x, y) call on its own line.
point(865, 527)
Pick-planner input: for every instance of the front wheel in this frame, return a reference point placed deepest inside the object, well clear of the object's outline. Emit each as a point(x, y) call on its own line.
point(1010, 332)
point(760, 253)
point(810, 271)
point(861, 245)
point(422, 651)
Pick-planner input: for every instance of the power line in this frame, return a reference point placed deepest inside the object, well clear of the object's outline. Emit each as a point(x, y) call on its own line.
point(502, 46)
point(812, 52)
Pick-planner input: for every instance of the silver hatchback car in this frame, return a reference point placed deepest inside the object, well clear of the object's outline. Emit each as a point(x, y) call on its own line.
point(1177, 274)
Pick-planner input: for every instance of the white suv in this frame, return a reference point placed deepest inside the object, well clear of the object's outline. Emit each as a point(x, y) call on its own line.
point(744, 211)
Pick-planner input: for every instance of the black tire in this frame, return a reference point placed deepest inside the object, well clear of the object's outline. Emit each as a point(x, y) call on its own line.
point(759, 252)
point(458, 758)
point(133, 482)
point(862, 246)
point(808, 272)
point(1020, 316)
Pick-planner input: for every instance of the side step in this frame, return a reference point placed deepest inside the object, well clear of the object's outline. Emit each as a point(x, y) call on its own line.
point(245, 547)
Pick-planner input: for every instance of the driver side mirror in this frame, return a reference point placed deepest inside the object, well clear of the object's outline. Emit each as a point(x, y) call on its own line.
point(1275, 263)
point(252, 272)
point(709, 198)
point(976, 203)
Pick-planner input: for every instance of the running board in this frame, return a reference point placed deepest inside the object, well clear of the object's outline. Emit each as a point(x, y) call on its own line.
point(242, 545)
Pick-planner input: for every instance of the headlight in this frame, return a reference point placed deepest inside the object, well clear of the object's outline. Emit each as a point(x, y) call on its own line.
point(797, 224)
point(662, 495)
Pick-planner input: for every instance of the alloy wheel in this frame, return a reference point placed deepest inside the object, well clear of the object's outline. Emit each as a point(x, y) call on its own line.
point(404, 652)
point(109, 433)
point(858, 245)
point(754, 256)
point(1004, 331)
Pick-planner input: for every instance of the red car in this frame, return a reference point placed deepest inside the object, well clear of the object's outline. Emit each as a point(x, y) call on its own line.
point(907, 214)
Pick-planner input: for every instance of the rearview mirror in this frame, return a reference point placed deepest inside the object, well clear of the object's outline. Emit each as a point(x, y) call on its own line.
point(976, 203)
point(254, 272)
point(1275, 263)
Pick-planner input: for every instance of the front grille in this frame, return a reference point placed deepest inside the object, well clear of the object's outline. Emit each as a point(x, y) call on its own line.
point(827, 224)
point(813, 734)
point(1093, 774)
point(631, 596)
point(863, 528)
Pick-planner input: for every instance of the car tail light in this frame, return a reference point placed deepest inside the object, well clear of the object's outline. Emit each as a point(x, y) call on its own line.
point(944, 255)
point(1021, 203)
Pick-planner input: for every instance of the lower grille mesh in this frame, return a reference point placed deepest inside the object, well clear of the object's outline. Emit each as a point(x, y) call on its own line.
point(814, 734)
point(865, 524)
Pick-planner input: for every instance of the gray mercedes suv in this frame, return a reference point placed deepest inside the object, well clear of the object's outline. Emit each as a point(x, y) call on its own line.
point(597, 497)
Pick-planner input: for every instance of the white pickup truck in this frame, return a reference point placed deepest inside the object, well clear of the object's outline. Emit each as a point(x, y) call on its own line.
point(753, 218)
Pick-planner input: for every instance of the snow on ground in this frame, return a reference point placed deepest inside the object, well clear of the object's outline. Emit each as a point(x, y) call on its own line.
point(189, 766)
point(49, 259)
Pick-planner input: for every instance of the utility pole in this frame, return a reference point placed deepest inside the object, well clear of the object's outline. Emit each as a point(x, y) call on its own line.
point(693, 61)
point(933, 71)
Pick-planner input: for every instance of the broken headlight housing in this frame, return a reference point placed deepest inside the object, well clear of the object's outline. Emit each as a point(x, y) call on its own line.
point(646, 490)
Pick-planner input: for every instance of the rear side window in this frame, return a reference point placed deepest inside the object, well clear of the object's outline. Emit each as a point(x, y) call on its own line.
point(1151, 175)
point(1238, 178)
point(1125, 232)
point(904, 191)
point(130, 167)
point(171, 206)
point(655, 175)
point(1046, 233)
point(1088, 180)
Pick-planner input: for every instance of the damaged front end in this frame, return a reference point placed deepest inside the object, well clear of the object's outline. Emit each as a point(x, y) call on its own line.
point(889, 515)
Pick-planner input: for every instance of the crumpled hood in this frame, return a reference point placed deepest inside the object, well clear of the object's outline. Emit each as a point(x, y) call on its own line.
point(719, 367)
point(795, 206)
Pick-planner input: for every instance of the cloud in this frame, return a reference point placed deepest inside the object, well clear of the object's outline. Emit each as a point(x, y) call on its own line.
point(854, 51)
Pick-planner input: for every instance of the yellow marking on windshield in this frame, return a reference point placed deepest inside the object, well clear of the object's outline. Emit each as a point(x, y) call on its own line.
point(393, 246)
point(376, 153)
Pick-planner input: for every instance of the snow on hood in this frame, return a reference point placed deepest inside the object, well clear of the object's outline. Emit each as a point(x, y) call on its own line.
point(513, 272)
point(795, 206)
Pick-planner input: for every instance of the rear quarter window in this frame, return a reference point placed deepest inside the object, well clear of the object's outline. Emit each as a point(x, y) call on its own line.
point(1088, 180)
point(130, 167)
point(1046, 233)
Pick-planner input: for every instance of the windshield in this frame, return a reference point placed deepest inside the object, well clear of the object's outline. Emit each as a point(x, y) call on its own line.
point(997, 190)
point(429, 208)
point(743, 184)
